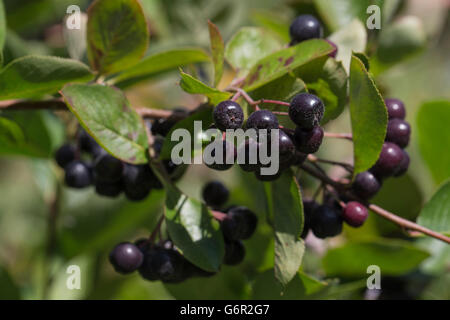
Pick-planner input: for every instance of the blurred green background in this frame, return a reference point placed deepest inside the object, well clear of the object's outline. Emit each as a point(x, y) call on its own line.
point(36, 248)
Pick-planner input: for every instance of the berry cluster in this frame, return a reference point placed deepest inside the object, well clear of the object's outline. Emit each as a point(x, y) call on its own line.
point(164, 262)
point(86, 163)
point(305, 110)
point(393, 160)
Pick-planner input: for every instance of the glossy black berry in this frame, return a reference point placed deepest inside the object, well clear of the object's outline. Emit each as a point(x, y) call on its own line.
point(309, 206)
point(396, 109)
point(239, 224)
point(308, 141)
point(389, 161)
point(366, 185)
point(162, 264)
point(228, 115)
point(65, 154)
point(215, 194)
point(126, 258)
point(248, 156)
point(355, 214)
point(221, 162)
point(305, 27)
point(262, 119)
point(86, 142)
point(137, 177)
point(286, 148)
point(108, 168)
point(234, 253)
point(398, 132)
point(306, 110)
point(163, 126)
point(108, 189)
point(78, 175)
point(404, 165)
point(326, 222)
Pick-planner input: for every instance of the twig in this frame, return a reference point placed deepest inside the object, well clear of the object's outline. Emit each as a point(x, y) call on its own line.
point(346, 166)
point(154, 113)
point(157, 230)
point(346, 136)
point(280, 113)
point(219, 216)
point(277, 102)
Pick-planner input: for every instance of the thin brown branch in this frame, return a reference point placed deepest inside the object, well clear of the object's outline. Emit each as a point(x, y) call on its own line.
point(346, 166)
point(154, 113)
point(346, 136)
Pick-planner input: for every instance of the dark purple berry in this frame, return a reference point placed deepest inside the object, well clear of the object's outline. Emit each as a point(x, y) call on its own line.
point(389, 161)
point(404, 165)
point(78, 174)
point(309, 206)
point(248, 156)
point(308, 141)
point(228, 115)
point(355, 214)
point(239, 224)
point(366, 185)
point(396, 109)
point(262, 119)
point(224, 162)
point(215, 194)
point(65, 154)
point(162, 127)
point(86, 142)
point(126, 258)
point(286, 147)
point(326, 222)
point(305, 27)
point(162, 264)
point(109, 189)
point(108, 168)
point(234, 253)
point(137, 181)
point(306, 110)
point(398, 132)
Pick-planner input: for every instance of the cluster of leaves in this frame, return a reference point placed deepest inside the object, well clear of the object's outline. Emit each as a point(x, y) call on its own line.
point(117, 42)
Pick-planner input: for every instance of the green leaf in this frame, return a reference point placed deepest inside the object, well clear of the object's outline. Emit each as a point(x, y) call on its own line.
point(339, 13)
point(331, 86)
point(204, 115)
point(106, 114)
point(349, 39)
point(401, 40)
point(434, 138)
point(435, 214)
point(10, 291)
point(194, 231)
point(193, 86)
point(218, 51)
point(285, 61)
point(32, 76)
point(394, 257)
point(368, 116)
point(117, 35)
point(249, 45)
point(364, 59)
point(286, 207)
point(161, 62)
point(2, 27)
point(30, 133)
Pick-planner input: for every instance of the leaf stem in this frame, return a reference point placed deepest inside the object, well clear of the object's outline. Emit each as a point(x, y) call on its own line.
point(346, 166)
point(347, 136)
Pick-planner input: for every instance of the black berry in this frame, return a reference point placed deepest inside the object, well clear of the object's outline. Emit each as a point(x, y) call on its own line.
point(308, 141)
point(109, 189)
point(396, 109)
point(228, 115)
point(162, 264)
point(355, 214)
point(366, 185)
point(65, 154)
point(305, 27)
point(234, 253)
point(389, 161)
point(163, 126)
point(398, 132)
point(286, 147)
point(108, 169)
point(326, 222)
point(306, 110)
point(78, 174)
point(86, 142)
point(404, 165)
point(228, 158)
point(215, 194)
point(239, 224)
point(249, 151)
point(262, 119)
point(309, 206)
point(126, 258)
